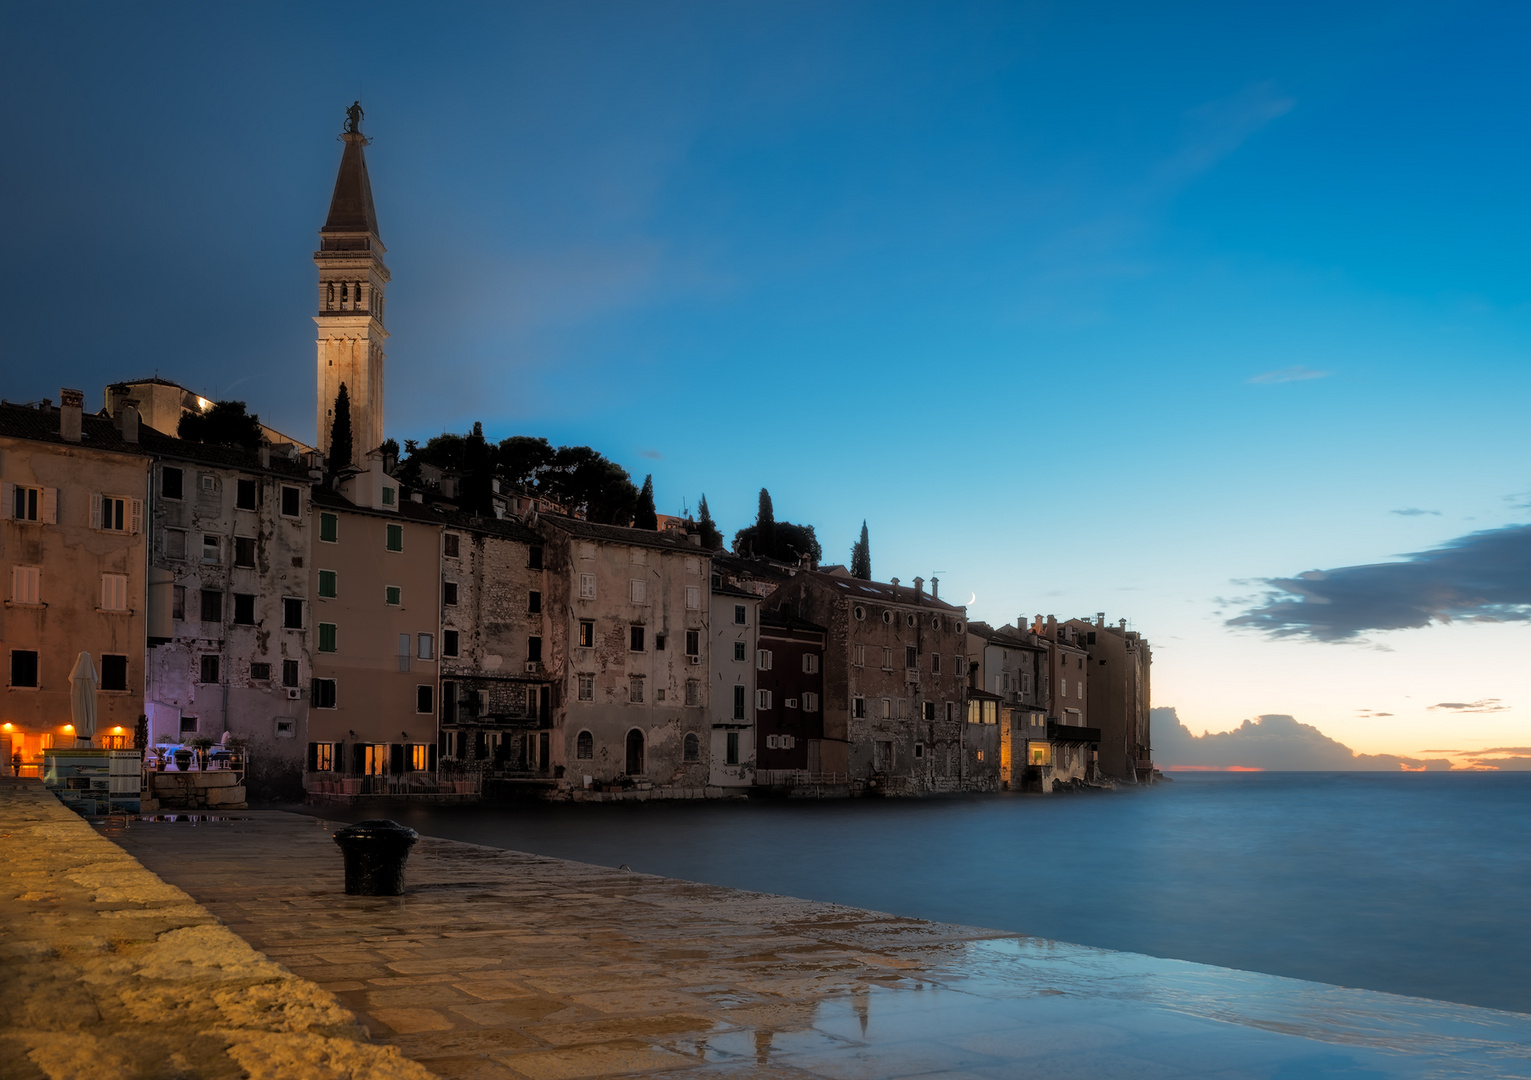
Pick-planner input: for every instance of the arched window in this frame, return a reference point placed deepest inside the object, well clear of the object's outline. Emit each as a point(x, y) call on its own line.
point(635, 753)
point(331, 301)
point(693, 749)
point(345, 292)
point(584, 746)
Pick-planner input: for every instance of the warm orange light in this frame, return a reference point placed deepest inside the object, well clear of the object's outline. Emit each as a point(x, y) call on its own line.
point(116, 731)
point(8, 727)
point(68, 727)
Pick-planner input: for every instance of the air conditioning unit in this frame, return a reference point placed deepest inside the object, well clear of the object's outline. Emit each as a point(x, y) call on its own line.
point(534, 667)
point(293, 693)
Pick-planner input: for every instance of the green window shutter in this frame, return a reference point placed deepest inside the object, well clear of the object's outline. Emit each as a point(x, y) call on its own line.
point(393, 598)
point(329, 528)
point(395, 538)
point(328, 585)
point(326, 637)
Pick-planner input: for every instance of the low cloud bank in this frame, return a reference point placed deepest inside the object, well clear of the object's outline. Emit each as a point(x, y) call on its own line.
point(1276, 743)
point(1483, 577)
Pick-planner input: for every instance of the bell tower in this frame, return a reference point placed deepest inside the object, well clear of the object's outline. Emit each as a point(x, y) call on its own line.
point(352, 278)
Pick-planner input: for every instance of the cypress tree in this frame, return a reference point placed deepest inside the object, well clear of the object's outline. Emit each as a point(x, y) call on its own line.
point(765, 527)
point(712, 539)
point(644, 516)
point(861, 556)
point(342, 448)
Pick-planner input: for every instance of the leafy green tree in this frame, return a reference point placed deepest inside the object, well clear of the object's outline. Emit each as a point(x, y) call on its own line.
point(582, 479)
point(342, 440)
point(712, 539)
point(644, 514)
point(225, 424)
point(861, 556)
point(523, 459)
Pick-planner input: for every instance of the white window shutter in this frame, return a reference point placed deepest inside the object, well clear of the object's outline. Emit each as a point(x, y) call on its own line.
point(138, 517)
point(7, 499)
point(106, 592)
point(95, 511)
point(50, 506)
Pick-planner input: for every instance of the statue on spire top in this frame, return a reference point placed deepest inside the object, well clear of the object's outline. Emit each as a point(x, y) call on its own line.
point(353, 119)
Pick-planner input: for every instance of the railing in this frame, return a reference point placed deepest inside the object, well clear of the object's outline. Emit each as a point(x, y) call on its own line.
point(790, 777)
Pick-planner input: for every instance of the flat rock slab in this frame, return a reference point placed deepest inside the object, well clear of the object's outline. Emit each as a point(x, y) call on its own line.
point(107, 971)
point(497, 964)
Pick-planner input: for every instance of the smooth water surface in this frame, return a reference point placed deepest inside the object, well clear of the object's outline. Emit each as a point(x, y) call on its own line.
point(1415, 884)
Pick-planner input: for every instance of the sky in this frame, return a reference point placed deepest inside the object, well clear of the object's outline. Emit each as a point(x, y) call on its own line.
point(1157, 310)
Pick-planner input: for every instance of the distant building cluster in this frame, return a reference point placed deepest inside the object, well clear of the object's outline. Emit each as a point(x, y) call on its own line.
point(356, 636)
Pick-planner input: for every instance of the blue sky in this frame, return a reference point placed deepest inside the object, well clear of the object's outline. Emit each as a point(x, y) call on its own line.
point(1088, 307)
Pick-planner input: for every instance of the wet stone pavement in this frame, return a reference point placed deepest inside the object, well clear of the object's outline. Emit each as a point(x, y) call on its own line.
point(497, 964)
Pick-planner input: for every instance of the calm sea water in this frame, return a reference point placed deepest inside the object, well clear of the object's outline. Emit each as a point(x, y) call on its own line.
point(1416, 884)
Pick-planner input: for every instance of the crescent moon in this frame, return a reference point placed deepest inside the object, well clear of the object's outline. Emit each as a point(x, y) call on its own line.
point(972, 600)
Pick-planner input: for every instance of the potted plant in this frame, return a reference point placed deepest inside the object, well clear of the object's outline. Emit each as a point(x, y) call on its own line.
point(200, 743)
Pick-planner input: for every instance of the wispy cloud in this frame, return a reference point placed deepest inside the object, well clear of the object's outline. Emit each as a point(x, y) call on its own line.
point(1481, 577)
point(1414, 511)
point(652, 454)
point(1492, 704)
point(1288, 374)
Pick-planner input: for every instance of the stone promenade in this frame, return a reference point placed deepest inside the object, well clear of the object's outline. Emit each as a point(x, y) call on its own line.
point(108, 973)
point(498, 964)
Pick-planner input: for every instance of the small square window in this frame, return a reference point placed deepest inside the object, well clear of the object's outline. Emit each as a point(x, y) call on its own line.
point(322, 693)
point(212, 606)
point(188, 725)
point(586, 634)
point(392, 595)
point(210, 552)
point(534, 559)
point(390, 496)
point(244, 551)
point(210, 668)
point(451, 545)
point(292, 613)
point(260, 672)
point(289, 673)
point(329, 528)
point(171, 483)
point(23, 667)
point(114, 672)
point(659, 643)
point(693, 642)
point(449, 592)
point(635, 638)
point(292, 501)
point(244, 494)
point(244, 609)
point(395, 538)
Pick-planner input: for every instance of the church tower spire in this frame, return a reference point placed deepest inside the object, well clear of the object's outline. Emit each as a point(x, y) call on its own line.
point(351, 283)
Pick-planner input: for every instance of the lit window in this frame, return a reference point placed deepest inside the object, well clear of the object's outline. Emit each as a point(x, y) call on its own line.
point(586, 634)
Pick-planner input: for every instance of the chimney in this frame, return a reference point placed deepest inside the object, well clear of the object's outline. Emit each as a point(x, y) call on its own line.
point(919, 588)
point(935, 588)
point(264, 454)
point(126, 419)
point(1123, 625)
point(894, 582)
point(71, 409)
point(1100, 618)
point(1052, 627)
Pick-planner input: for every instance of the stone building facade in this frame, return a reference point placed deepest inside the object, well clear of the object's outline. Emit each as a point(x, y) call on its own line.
point(732, 672)
point(895, 680)
point(228, 603)
point(1012, 665)
point(1072, 738)
point(628, 651)
point(790, 725)
point(1118, 688)
point(496, 699)
point(73, 489)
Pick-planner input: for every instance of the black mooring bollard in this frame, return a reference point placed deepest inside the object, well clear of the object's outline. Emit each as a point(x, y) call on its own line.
point(375, 852)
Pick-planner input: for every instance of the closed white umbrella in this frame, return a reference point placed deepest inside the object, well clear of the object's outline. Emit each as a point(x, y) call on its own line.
point(82, 697)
